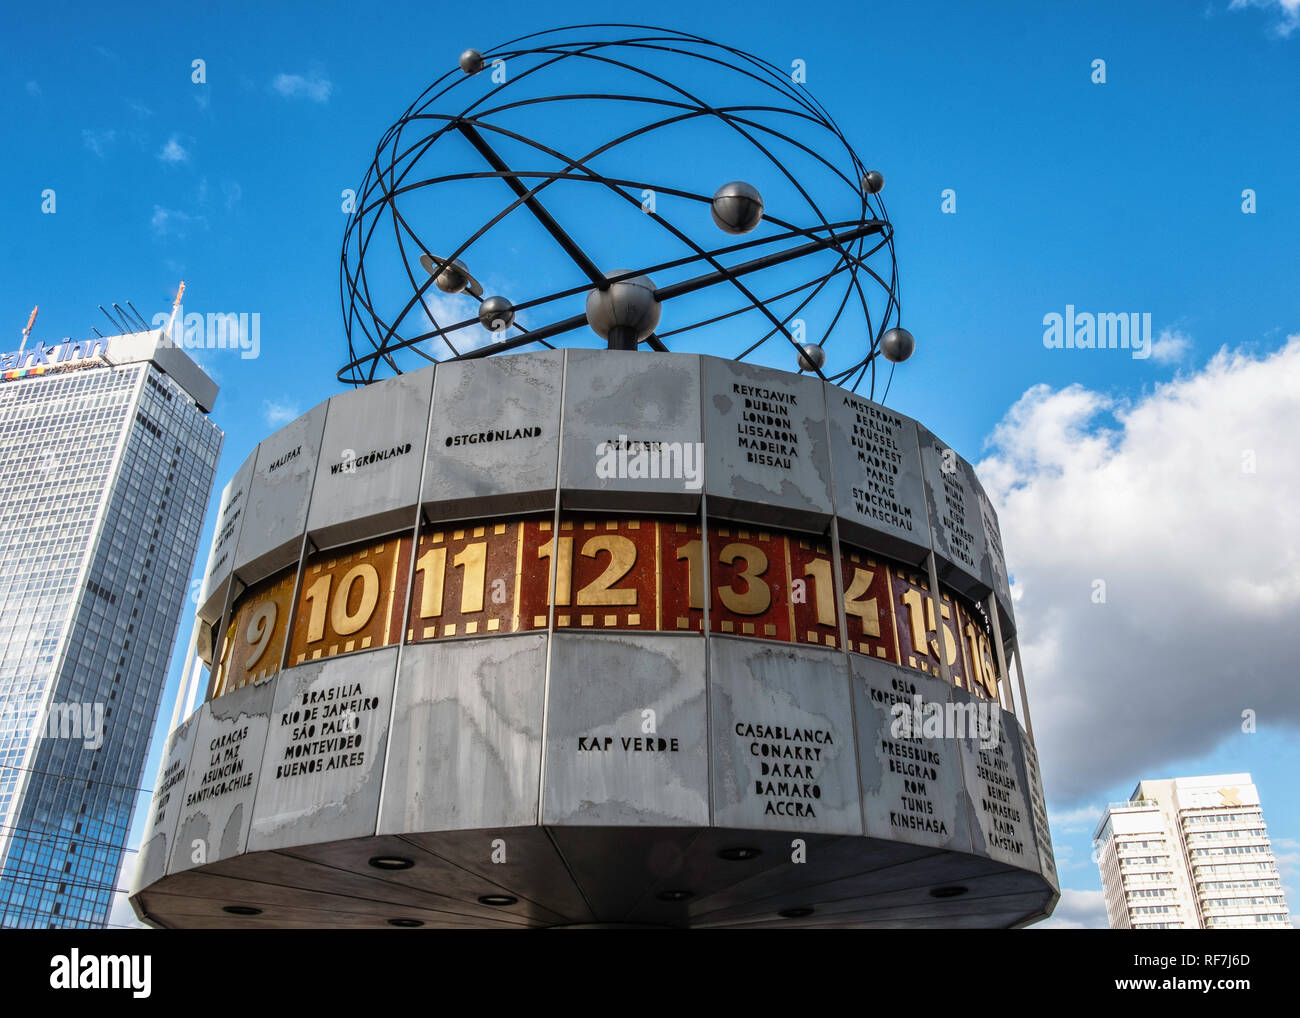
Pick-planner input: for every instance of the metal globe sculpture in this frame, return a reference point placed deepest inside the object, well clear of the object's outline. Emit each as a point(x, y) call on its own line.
point(602, 145)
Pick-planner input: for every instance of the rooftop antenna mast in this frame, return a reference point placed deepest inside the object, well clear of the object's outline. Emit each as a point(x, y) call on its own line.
point(131, 318)
point(27, 332)
point(122, 329)
point(180, 292)
point(144, 326)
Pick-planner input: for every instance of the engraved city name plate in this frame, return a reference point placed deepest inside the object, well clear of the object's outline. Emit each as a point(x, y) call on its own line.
point(325, 752)
point(372, 454)
point(227, 763)
point(912, 787)
point(993, 564)
point(995, 787)
point(494, 440)
point(165, 806)
point(1032, 777)
point(279, 496)
point(626, 741)
point(955, 524)
point(879, 491)
point(225, 536)
point(466, 747)
point(632, 435)
point(783, 754)
point(767, 457)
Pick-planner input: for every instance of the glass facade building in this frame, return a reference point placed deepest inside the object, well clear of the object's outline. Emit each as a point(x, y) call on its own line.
point(107, 459)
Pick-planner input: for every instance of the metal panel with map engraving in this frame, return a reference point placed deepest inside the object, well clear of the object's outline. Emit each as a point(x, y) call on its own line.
point(783, 754)
point(325, 752)
point(465, 752)
point(279, 496)
point(879, 490)
point(995, 788)
point(631, 751)
point(956, 529)
point(224, 772)
point(912, 786)
point(493, 441)
point(225, 536)
point(372, 455)
point(767, 454)
point(165, 808)
point(632, 436)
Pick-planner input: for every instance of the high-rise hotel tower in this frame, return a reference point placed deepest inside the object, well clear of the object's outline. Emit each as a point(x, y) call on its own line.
point(1190, 853)
point(107, 458)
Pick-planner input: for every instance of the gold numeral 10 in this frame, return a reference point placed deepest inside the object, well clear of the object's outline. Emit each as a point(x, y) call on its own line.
point(343, 622)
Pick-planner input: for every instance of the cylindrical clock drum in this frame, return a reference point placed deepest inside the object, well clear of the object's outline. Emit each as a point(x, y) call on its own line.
point(602, 637)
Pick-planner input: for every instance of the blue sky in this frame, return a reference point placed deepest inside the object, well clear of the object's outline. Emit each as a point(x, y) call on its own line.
point(1122, 196)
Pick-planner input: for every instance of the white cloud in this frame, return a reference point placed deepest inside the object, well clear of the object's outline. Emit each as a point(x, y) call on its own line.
point(1077, 910)
point(33, 89)
point(97, 141)
point(279, 413)
point(174, 151)
point(1287, 11)
point(172, 222)
point(449, 308)
point(1171, 345)
point(232, 192)
point(1082, 819)
point(294, 86)
point(1200, 558)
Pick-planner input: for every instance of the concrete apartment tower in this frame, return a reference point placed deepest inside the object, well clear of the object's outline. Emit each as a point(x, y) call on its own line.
point(107, 458)
point(1190, 853)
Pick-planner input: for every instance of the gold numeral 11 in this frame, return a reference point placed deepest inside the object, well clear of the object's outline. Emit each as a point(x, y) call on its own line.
point(433, 565)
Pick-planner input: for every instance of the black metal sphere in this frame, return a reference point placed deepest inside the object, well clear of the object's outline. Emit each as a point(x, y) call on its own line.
point(496, 313)
point(628, 307)
point(737, 207)
point(811, 357)
point(471, 61)
point(897, 345)
point(873, 182)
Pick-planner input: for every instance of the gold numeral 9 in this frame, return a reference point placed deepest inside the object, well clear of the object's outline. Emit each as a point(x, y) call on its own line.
point(258, 631)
